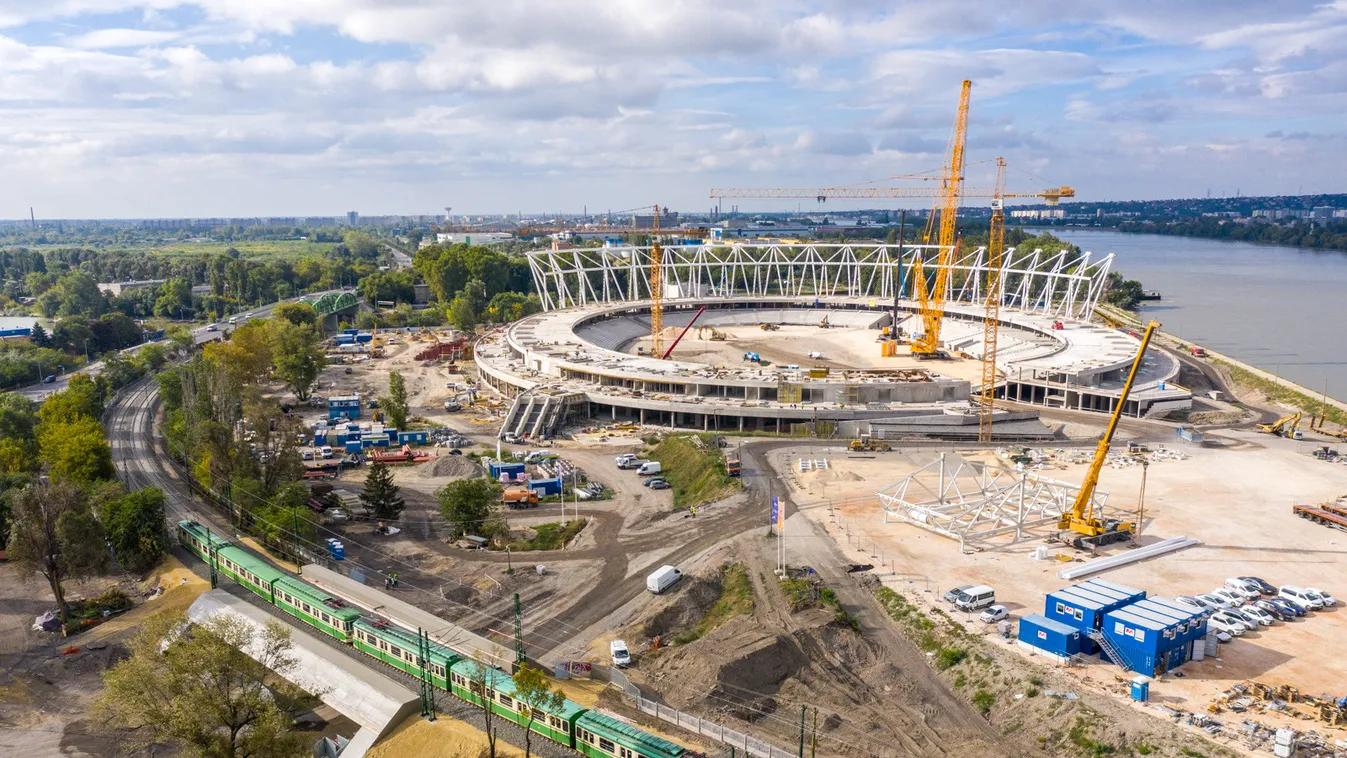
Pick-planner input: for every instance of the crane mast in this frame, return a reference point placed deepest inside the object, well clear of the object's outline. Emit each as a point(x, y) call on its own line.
point(656, 292)
point(932, 300)
point(996, 243)
point(1080, 518)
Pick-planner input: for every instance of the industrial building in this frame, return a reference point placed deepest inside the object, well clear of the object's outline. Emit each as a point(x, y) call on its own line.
point(16, 327)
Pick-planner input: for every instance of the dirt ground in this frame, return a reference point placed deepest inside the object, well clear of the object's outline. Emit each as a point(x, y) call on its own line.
point(1237, 501)
point(791, 344)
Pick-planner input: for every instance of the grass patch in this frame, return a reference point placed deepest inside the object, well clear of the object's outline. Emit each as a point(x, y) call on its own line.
point(736, 599)
point(694, 469)
point(1144, 749)
point(550, 536)
point(114, 600)
point(949, 657)
point(1088, 746)
point(1277, 393)
point(1191, 753)
point(1031, 692)
point(252, 249)
point(983, 700)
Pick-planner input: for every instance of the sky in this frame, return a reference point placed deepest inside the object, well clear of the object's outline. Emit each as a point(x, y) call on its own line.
point(173, 108)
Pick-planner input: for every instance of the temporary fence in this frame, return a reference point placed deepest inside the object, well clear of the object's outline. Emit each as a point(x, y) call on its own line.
point(751, 746)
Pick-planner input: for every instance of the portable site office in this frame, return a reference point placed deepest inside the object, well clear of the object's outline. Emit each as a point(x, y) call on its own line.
point(1049, 637)
point(1131, 593)
point(1137, 639)
point(1192, 625)
point(1080, 608)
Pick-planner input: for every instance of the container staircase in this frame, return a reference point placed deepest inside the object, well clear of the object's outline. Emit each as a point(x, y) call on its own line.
point(1114, 654)
point(536, 415)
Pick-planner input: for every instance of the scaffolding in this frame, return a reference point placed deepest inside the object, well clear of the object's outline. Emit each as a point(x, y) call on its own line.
point(980, 506)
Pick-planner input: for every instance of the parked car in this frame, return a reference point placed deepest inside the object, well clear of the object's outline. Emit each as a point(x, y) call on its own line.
point(1220, 635)
point(1329, 600)
point(1220, 624)
point(1262, 586)
point(510, 438)
point(994, 614)
point(617, 649)
point(953, 594)
point(307, 455)
point(1294, 608)
point(624, 458)
point(1231, 616)
point(658, 484)
point(1232, 597)
point(1276, 611)
point(1192, 602)
point(1306, 598)
point(1248, 590)
point(49, 379)
point(1213, 602)
point(212, 327)
point(335, 514)
point(652, 480)
point(1258, 614)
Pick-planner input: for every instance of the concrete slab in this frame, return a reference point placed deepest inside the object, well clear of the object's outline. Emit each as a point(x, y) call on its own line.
point(362, 694)
point(410, 617)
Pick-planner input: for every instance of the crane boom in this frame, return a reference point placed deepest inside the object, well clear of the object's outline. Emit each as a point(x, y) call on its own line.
point(990, 326)
point(1050, 196)
point(1081, 516)
point(932, 300)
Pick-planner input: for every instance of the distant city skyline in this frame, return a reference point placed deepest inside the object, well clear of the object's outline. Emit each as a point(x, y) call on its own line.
point(243, 108)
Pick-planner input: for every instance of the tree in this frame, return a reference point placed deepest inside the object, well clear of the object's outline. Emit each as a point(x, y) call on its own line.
point(381, 495)
point(76, 451)
point(80, 399)
point(80, 295)
point(533, 691)
point(1123, 293)
point(462, 315)
point(39, 337)
point(299, 357)
point(199, 691)
point(175, 298)
point(54, 533)
point(480, 677)
point(467, 504)
point(299, 314)
point(136, 528)
point(245, 356)
point(394, 403)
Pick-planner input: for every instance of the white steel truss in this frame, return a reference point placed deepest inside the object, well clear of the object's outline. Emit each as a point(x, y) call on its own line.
point(974, 503)
point(1061, 284)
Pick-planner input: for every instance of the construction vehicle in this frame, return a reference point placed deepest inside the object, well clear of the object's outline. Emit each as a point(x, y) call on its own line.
point(824, 323)
point(1091, 530)
point(732, 465)
point(766, 327)
point(754, 357)
point(868, 445)
point(1282, 427)
point(519, 498)
point(1317, 425)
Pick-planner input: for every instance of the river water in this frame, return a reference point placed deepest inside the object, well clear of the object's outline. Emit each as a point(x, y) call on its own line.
point(1282, 309)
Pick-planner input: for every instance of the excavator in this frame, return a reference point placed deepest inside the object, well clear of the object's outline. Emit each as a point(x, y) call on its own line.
point(1282, 427)
point(716, 334)
point(1089, 529)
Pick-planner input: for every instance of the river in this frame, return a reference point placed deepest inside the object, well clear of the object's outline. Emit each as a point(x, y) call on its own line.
point(1282, 309)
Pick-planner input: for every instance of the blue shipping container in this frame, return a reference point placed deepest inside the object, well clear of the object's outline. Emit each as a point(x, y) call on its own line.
point(1131, 592)
point(1184, 621)
point(496, 468)
point(546, 486)
point(1049, 636)
point(1137, 640)
point(412, 438)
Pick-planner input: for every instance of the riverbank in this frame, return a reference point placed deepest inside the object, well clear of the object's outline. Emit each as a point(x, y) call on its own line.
point(1275, 388)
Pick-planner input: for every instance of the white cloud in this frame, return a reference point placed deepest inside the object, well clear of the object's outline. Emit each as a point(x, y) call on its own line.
point(103, 39)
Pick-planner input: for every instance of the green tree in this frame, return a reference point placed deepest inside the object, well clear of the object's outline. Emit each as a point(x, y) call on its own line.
point(245, 356)
point(534, 692)
point(381, 495)
point(299, 356)
point(467, 504)
point(394, 403)
point(200, 692)
point(80, 295)
point(480, 679)
point(174, 299)
point(136, 528)
point(54, 533)
point(512, 306)
point(299, 314)
point(461, 314)
point(79, 399)
point(76, 451)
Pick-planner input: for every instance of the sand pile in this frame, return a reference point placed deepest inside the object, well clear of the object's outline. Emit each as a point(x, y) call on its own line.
point(456, 466)
point(831, 475)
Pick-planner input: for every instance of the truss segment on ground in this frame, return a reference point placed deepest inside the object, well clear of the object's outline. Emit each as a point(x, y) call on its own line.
point(1060, 284)
point(980, 506)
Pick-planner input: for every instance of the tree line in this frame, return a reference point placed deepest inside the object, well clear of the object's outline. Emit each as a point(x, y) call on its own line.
point(1330, 236)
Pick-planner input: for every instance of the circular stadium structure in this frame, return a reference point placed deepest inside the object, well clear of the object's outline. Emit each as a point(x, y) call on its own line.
point(786, 339)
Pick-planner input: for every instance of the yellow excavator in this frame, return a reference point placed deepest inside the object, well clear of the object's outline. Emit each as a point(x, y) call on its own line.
point(716, 334)
point(1282, 427)
point(1089, 529)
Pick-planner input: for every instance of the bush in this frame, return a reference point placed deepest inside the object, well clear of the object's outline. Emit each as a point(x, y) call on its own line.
point(949, 657)
point(984, 700)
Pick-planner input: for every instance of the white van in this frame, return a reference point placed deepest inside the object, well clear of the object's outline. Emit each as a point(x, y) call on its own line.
point(621, 656)
point(326, 451)
point(663, 579)
point(975, 598)
point(650, 468)
point(1305, 598)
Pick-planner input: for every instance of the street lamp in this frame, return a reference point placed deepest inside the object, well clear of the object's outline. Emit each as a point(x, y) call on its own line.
point(86, 351)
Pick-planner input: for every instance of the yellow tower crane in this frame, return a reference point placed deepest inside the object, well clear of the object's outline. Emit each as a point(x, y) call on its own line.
point(656, 292)
point(1081, 519)
point(996, 243)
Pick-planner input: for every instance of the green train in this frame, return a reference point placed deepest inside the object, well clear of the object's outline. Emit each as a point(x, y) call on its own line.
point(587, 732)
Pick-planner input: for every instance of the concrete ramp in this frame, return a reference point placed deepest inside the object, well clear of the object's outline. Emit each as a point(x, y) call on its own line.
point(362, 694)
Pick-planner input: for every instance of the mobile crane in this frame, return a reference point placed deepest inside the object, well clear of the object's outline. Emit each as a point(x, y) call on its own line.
point(1081, 519)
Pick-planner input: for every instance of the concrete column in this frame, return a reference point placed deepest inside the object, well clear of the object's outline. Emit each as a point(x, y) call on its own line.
point(642, 415)
point(778, 424)
point(613, 408)
point(741, 423)
point(706, 421)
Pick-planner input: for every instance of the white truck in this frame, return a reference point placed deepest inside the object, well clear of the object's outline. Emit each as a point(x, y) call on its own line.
point(650, 468)
point(663, 579)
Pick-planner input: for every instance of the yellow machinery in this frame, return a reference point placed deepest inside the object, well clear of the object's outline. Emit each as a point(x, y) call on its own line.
point(716, 334)
point(824, 323)
point(1282, 427)
point(1317, 425)
point(866, 444)
point(766, 327)
point(1081, 519)
point(995, 246)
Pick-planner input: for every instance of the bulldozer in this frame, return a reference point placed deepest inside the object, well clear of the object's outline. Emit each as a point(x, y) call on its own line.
point(766, 327)
point(866, 444)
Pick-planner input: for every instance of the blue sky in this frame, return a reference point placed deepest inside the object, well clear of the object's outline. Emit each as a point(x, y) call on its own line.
point(159, 108)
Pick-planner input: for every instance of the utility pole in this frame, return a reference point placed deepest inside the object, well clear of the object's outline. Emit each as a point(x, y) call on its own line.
point(803, 708)
point(427, 686)
point(1141, 501)
point(519, 656)
point(813, 740)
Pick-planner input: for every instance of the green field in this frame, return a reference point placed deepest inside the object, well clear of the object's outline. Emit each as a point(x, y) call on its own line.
point(253, 249)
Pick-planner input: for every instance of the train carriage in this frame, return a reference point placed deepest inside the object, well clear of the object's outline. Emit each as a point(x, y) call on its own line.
point(600, 736)
point(398, 648)
point(198, 539)
point(315, 607)
point(253, 574)
point(556, 725)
